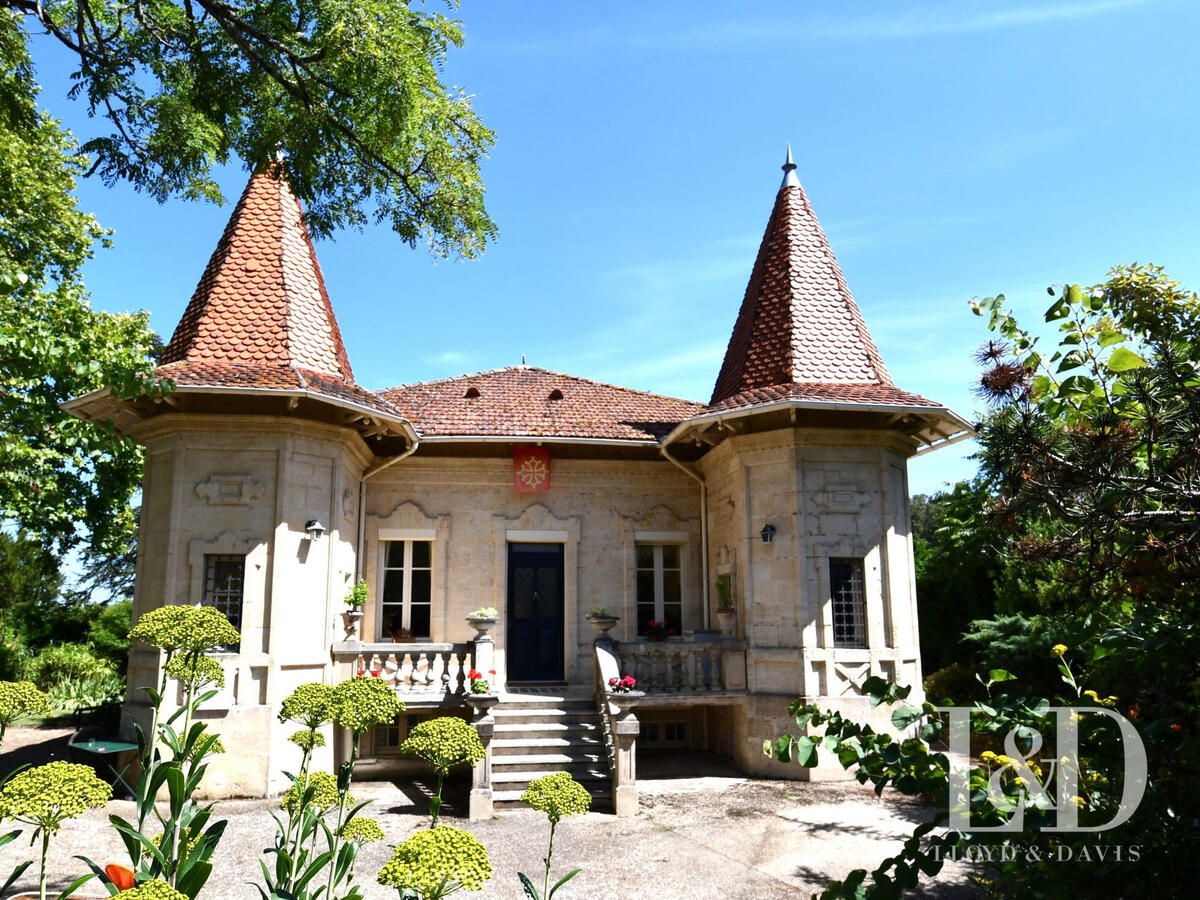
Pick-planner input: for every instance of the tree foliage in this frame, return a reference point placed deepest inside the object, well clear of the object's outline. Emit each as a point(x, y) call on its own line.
point(349, 90)
point(1094, 446)
point(1091, 452)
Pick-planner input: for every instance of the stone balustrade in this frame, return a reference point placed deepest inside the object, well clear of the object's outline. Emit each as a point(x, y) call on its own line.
point(425, 668)
point(684, 667)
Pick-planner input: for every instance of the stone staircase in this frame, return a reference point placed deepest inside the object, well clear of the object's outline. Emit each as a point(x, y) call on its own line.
point(539, 734)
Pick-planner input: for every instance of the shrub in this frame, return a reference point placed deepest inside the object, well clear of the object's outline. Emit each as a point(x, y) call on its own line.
point(14, 657)
point(57, 663)
point(955, 682)
point(71, 694)
point(108, 632)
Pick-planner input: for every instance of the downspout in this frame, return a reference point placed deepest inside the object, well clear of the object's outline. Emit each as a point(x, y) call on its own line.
point(362, 502)
point(662, 448)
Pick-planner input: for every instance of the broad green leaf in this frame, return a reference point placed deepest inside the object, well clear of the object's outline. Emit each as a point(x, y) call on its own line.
point(1123, 359)
point(905, 716)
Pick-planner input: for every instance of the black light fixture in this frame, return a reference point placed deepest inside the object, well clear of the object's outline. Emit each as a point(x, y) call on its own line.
point(313, 530)
point(767, 534)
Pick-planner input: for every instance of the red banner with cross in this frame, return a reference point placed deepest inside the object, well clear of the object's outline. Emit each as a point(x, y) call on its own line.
point(531, 468)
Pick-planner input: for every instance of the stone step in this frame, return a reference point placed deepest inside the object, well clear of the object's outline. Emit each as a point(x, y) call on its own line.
point(511, 799)
point(522, 717)
point(585, 774)
point(509, 746)
point(557, 727)
point(536, 702)
point(534, 762)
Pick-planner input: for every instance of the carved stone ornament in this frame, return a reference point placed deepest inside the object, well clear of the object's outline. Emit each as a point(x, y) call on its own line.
point(229, 490)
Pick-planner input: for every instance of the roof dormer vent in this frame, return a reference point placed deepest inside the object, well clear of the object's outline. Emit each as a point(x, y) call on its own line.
point(556, 394)
point(472, 393)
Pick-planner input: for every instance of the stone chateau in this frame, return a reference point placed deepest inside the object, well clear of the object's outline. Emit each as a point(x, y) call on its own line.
point(753, 549)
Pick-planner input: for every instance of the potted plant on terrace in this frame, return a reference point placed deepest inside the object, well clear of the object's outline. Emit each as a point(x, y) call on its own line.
point(726, 611)
point(602, 620)
point(482, 619)
point(352, 617)
point(658, 631)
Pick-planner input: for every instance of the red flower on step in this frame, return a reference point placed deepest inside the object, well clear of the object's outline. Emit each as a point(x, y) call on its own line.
point(120, 876)
point(362, 671)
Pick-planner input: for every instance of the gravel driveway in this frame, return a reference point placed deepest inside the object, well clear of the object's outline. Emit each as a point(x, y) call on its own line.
point(717, 835)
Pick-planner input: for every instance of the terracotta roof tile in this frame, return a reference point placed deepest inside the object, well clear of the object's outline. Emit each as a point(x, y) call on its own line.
point(857, 394)
point(262, 299)
point(798, 323)
point(515, 402)
point(273, 378)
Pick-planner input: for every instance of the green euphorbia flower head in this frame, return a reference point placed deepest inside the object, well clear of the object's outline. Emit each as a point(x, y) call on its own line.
point(310, 704)
point(437, 862)
point(195, 670)
point(363, 830)
point(557, 795)
point(324, 792)
point(48, 795)
point(444, 742)
point(209, 743)
point(19, 699)
point(363, 701)
point(152, 890)
point(187, 628)
point(306, 740)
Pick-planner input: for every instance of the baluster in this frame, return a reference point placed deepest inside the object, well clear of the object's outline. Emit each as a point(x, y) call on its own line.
point(718, 671)
point(392, 669)
point(376, 663)
point(695, 668)
point(406, 670)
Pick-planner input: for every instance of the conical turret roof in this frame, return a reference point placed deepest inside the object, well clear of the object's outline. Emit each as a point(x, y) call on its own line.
point(798, 323)
point(262, 299)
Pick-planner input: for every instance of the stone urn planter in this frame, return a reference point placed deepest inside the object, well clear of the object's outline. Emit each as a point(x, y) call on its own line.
point(482, 624)
point(482, 703)
point(603, 624)
point(352, 622)
point(727, 619)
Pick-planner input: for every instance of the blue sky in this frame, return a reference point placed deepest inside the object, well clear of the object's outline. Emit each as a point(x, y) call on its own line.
point(950, 149)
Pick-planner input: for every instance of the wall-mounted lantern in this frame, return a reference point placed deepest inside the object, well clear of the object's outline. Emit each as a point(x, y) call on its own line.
point(767, 534)
point(313, 530)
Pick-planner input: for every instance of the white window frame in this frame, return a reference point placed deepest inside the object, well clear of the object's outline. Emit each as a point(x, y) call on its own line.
point(657, 540)
point(387, 537)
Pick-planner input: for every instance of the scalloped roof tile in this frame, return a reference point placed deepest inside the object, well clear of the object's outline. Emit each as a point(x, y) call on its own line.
point(262, 298)
point(798, 323)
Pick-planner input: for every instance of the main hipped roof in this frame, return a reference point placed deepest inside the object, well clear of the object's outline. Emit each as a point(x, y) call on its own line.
point(260, 319)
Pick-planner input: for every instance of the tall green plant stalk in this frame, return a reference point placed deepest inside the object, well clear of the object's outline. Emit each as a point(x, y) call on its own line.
point(345, 777)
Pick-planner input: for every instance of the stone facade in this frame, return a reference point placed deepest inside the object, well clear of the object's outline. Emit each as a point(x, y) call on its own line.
point(789, 488)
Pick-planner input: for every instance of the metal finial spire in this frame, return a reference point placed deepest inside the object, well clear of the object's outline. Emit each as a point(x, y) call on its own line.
point(790, 179)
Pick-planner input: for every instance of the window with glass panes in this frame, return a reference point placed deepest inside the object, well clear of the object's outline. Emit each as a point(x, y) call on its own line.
point(849, 602)
point(224, 575)
point(406, 600)
point(659, 586)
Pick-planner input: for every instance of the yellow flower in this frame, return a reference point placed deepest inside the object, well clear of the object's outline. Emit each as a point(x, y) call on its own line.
point(362, 829)
point(360, 702)
point(1058, 650)
point(19, 699)
point(152, 890)
point(1091, 695)
point(444, 742)
point(1079, 801)
point(46, 795)
point(557, 795)
point(435, 859)
point(987, 756)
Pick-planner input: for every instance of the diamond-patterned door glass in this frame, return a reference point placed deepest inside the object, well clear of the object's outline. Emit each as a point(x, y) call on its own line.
point(523, 604)
point(546, 593)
